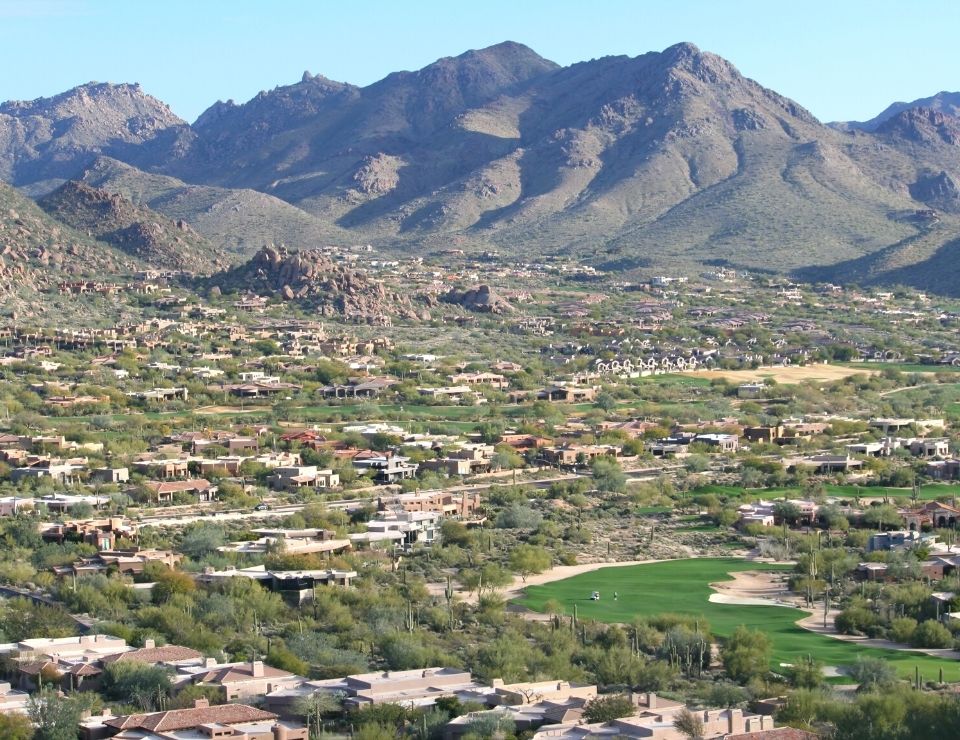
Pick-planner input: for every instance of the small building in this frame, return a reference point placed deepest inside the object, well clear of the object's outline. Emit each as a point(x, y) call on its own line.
point(291, 477)
point(750, 390)
point(899, 540)
point(297, 586)
point(224, 721)
point(722, 442)
point(164, 491)
point(386, 467)
point(110, 475)
point(462, 505)
point(245, 681)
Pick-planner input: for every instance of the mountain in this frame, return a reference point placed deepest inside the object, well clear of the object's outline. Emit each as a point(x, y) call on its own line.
point(53, 138)
point(942, 102)
point(36, 252)
point(238, 220)
point(142, 233)
point(667, 160)
point(673, 155)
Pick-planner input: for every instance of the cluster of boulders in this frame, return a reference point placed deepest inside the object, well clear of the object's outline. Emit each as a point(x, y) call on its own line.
point(482, 299)
point(312, 277)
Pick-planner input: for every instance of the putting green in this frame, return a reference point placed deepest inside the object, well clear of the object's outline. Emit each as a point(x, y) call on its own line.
point(683, 587)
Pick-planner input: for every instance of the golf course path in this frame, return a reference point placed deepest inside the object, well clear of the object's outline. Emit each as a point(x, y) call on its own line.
point(759, 588)
point(556, 573)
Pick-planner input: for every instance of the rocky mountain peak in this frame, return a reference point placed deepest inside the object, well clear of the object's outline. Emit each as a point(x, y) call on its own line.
point(923, 125)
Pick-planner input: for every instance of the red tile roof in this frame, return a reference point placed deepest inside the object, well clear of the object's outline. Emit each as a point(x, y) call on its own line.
point(162, 654)
point(239, 673)
point(182, 719)
point(777, 733)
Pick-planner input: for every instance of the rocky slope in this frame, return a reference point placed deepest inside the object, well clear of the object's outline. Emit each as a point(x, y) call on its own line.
point(942, 102)
point(149, 237)
point(36, 252)
point(667, 160)
point(314, 279)
point(238, 220)
point(52, 139)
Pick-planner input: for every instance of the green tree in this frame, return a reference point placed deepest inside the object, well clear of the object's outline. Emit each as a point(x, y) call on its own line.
point(15, 727)
point(201, 539)
point(519, 516)
point(314, 707)
point(606, 402)
point(746, 654)
point(140, 683)
point(882, 517)
point(492, 724)
point(608, 707)
point(932, 634)
point(807, 673)
point(529, 559)
point(608, 475)
point(54, 717)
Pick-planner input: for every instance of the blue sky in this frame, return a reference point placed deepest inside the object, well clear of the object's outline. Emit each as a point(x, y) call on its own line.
point(846, 59)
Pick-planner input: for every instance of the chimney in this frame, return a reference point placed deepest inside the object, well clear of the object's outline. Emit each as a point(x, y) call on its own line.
point(281, 732)
point(149, 643)
point(730, 728)
point(651, 700)
point(209, 662)
point(257, 669)
point(201, 703)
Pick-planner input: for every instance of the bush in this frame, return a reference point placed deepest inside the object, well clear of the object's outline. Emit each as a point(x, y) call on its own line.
point(854, 620)
point(873, 673)
point(902, 629)
point(519, 516)
point(608, 708)
point(931, 634)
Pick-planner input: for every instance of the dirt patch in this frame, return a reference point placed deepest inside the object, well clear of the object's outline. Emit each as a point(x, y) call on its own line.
point(787, 375)
point(225, 410)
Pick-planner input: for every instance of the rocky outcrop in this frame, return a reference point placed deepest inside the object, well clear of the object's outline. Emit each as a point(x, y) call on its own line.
point(36, 251)
point(313, 278)
point(55, 138)
point(482, 299)
point(132, 228)
point(940, 190)
point(923, 126)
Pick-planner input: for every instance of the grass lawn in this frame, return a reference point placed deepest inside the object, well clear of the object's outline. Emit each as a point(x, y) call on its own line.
point(928, 492)
point(682, 586)
point(904, 367)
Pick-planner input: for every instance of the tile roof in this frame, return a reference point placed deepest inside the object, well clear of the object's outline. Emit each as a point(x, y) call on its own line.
point(163, 654)
point(182, 719)
point(238, 673)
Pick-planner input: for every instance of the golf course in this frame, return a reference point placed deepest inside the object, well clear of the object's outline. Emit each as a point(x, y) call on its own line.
point(683, 587)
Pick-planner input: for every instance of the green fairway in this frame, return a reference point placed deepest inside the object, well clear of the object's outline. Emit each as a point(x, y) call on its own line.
point(682, 586)
point(904, 367)
point(928, 492)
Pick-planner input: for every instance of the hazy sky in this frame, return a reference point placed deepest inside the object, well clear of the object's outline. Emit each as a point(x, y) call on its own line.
point(845, 59)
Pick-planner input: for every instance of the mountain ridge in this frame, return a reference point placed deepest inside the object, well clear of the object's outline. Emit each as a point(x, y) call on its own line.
point(665, 158)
